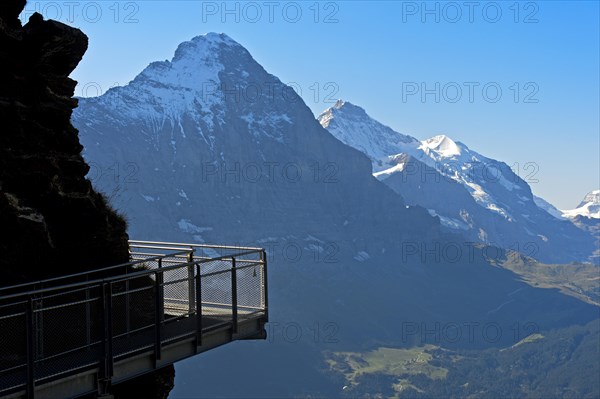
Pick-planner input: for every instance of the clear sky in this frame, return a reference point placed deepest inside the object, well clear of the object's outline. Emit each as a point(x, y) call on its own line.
point(515, 81)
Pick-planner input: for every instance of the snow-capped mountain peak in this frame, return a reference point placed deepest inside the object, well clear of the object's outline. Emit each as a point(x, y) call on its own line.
point(344, 107)
point(589, 207)
point(190, 81)
point(339, 104)
point(593, 197)
point(442, 145)
point(195, 63)
point(353, 126)
point(191, 92)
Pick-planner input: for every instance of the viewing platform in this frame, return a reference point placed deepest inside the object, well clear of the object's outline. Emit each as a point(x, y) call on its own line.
point(80, 334)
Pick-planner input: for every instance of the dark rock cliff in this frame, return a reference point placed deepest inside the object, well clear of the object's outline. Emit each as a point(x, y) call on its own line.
point(52, 222)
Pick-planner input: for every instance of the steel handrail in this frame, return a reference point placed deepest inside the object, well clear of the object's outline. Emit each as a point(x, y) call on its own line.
point(181, 247)
point(88, 272)
point(129, 276)
point(208, 246)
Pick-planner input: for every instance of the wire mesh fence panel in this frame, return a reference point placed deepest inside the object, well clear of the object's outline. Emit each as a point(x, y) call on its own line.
point(175, 260)
point(120, 303)
point(133, 313)
point(249, 287)
point(81, 358)
point(147, 264)
point(13, 335)
point(213, 266)
point(263, 287)
point(179, 302)
point(65, 321)
point(179, 291)
point(216, 296)
point(13, 338)
point(67, 331)
point(12, 379)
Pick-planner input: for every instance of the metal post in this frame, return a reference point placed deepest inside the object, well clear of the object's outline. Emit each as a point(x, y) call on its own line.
point(191, 291)
point(127, 308)
point(158, 313)
point(198, 307)
point(265, 284)
point(106, 363)
point(39, 328)
point(30, 349)
point(234, 301)
point(109, 329)
point(88, 318)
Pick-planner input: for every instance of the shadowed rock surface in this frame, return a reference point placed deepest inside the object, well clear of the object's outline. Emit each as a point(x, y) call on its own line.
point(53, 222)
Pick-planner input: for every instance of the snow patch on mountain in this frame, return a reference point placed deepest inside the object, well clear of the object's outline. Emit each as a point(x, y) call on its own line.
point(187, 226)
point(451, 223)
point(548, 207)
point(148, 198)
point(263, 126)
point(183, 194)
point(362, 256)
point(387, 172)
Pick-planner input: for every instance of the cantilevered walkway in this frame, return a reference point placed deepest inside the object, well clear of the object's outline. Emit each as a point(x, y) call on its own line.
point(82, 333)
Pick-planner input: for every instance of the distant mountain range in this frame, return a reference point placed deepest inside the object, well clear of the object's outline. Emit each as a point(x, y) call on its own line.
point(479, 197)
point(589, 207)
point(210, 147)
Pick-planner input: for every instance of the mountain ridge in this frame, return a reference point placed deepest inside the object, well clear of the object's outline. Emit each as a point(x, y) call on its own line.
point(344, 249)
point(502, 210)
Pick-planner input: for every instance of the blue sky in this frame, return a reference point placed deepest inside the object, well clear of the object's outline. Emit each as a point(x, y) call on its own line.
point(543, 57)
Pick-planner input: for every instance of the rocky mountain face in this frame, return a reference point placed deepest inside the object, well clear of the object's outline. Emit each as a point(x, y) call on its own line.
point(479, 197)
point(210, 147)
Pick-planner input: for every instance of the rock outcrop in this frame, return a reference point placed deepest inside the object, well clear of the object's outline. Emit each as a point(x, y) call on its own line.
point(52, 222)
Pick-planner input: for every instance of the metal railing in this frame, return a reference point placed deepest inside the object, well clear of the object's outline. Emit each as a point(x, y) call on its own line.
point(60, 327)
